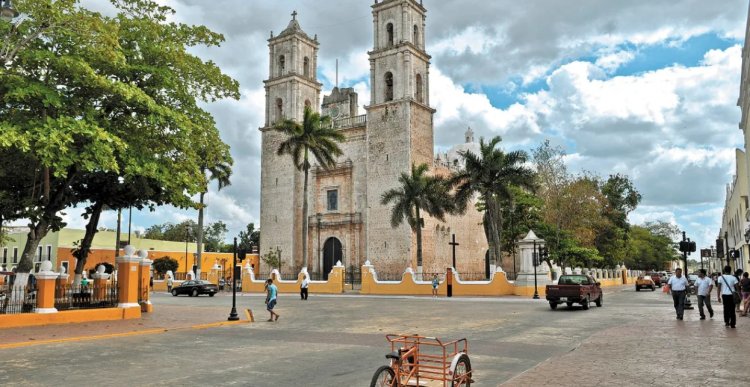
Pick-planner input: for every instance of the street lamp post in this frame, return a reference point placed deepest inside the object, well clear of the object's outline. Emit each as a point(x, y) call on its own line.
point(534, 262)
point(233, 314)
point(187, 232)
point(726, 242)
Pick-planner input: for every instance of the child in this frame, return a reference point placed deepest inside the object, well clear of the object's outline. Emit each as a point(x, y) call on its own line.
point(435, 283)
point(271, 291)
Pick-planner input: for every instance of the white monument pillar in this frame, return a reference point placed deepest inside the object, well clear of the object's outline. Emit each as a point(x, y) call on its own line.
point(526, 274)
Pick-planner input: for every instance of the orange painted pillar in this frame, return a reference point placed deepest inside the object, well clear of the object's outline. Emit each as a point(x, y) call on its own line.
point(45, 295)
point(127, 279)
point(145, 269)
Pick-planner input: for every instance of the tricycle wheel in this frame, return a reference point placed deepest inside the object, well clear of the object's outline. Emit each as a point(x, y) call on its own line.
point(553, 305)
point(585, 303)
point(383, 377)
point(462, 371)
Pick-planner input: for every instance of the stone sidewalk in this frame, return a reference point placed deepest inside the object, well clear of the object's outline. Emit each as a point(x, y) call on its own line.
point(655, 352)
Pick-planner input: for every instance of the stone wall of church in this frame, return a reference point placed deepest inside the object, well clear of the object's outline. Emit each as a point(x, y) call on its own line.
point(389, 249)
point(420, 121)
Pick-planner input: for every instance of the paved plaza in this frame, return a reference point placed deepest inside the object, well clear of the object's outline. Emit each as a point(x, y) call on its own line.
point(339, 341)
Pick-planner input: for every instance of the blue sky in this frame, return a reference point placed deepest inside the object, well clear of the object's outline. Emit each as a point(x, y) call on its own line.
point(624, 88)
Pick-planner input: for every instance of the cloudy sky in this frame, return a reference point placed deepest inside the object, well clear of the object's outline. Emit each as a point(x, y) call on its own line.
point(647, 88)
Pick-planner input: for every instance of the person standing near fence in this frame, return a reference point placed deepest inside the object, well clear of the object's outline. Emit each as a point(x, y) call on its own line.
point(703, 286)
point(435, 284)
point(677, 286)
point(169, 284)
point(727, 284)
point(303, 288)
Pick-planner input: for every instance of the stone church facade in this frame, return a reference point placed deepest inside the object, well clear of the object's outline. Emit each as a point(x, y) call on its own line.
point(346, 220)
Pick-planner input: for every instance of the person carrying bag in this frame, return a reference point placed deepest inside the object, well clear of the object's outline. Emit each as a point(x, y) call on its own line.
point(728, 294)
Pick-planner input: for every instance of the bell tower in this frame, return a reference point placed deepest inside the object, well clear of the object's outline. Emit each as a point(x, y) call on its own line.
point(399, 120)
point(291, 85)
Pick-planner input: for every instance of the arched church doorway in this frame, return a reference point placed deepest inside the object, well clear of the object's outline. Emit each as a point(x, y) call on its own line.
point(487, 264)
point(332, 253)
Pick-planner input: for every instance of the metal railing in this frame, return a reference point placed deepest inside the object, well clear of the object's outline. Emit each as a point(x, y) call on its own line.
point(17, 299)
point(73, 296)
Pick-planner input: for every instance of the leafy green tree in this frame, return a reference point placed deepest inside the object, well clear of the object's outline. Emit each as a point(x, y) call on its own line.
point(314, 135)
point(491, 174)
point(417, 193)
point(249, 238)
point(217, 165)
point(164, 264)
point(521, 212)
point(215, 233)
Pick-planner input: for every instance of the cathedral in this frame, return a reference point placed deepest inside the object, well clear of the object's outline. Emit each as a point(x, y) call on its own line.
point(346, 220)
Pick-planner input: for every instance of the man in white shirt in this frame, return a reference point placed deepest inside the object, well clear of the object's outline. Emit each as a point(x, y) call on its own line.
point(678, 285)
point(303, 288)
point(727, 283)
point(703, 286)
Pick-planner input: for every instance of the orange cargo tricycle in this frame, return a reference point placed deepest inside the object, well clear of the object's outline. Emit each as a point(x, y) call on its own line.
point(424, 361)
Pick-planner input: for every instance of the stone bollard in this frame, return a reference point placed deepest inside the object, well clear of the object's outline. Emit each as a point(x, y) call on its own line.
point(145, 277)
point(127, 279)
point(100, 284)
point(61, 283)
point(45, 280)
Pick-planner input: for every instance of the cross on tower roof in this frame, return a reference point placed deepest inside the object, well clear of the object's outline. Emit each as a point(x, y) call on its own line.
point(294, 15)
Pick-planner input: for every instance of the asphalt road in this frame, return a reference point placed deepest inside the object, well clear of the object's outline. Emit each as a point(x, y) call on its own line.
point(326, 341)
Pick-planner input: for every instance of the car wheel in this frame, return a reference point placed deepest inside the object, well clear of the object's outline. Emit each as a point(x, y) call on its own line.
point(174, 292)
point(653, 288)
point(194, 293)
point(600, 300)
point(585, 303)
point(637, 288)
point(211, 295)
point(569, 304)
point(553, 305)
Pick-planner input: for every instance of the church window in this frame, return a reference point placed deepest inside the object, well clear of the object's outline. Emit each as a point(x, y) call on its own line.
point(419, 88)
point(389, 32)
point(416, 36)
point(282, 64)
point(279, 108)
point(388, 86)
point(306, 67)
point(333, 200)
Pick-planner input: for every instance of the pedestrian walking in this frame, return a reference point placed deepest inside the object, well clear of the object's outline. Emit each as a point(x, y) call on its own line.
point(303, 288)
point(745, 288)
point(728, 286)
point(703, 286)
point(170, 282)
point(435, 283)
point(738, 275)
point(271, 292)
point(677, 287)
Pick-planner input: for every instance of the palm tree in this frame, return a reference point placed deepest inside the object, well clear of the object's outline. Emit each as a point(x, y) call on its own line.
point(216, 166)
point(418, 192)
point(314, 135)
point(491, 174)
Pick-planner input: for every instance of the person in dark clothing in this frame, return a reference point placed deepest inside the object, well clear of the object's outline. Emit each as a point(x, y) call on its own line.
point(727, 284)
point(745, 288)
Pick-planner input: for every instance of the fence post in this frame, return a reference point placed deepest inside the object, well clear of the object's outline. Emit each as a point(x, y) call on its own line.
point(127, 279)
point(45, 295)
point(145, 268)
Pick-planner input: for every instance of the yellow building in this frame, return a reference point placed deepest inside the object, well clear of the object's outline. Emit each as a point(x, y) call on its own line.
point(58, 247)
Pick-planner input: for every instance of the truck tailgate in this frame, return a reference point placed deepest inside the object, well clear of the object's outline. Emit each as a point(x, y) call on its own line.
point(563, 290)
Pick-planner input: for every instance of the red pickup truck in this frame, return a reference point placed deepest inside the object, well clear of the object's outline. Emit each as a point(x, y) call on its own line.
point(575, 289)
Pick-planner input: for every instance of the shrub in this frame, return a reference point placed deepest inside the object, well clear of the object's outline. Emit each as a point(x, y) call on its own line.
point(164, 264)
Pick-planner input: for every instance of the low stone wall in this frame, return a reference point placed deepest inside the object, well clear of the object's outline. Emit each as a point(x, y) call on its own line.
point(334, 284)
point(68, 316)
point(497, 286)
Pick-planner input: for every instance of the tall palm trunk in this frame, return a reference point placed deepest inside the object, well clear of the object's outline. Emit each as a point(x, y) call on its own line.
point(199, 239)
point(305, 260)
point(88, 238)
point(493, 229)
point(419, 239)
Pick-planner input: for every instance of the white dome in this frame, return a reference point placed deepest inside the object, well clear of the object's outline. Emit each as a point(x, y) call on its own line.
point(454, 156)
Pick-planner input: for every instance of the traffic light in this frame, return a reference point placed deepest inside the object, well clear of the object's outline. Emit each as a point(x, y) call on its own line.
point(684, 246)
point(691, 246)
point(242, 254)
point(720, 248)
point(734, 253)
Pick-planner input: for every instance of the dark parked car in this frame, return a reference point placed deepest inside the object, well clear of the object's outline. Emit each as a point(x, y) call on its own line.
point(575, 289)
point(195, 288)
